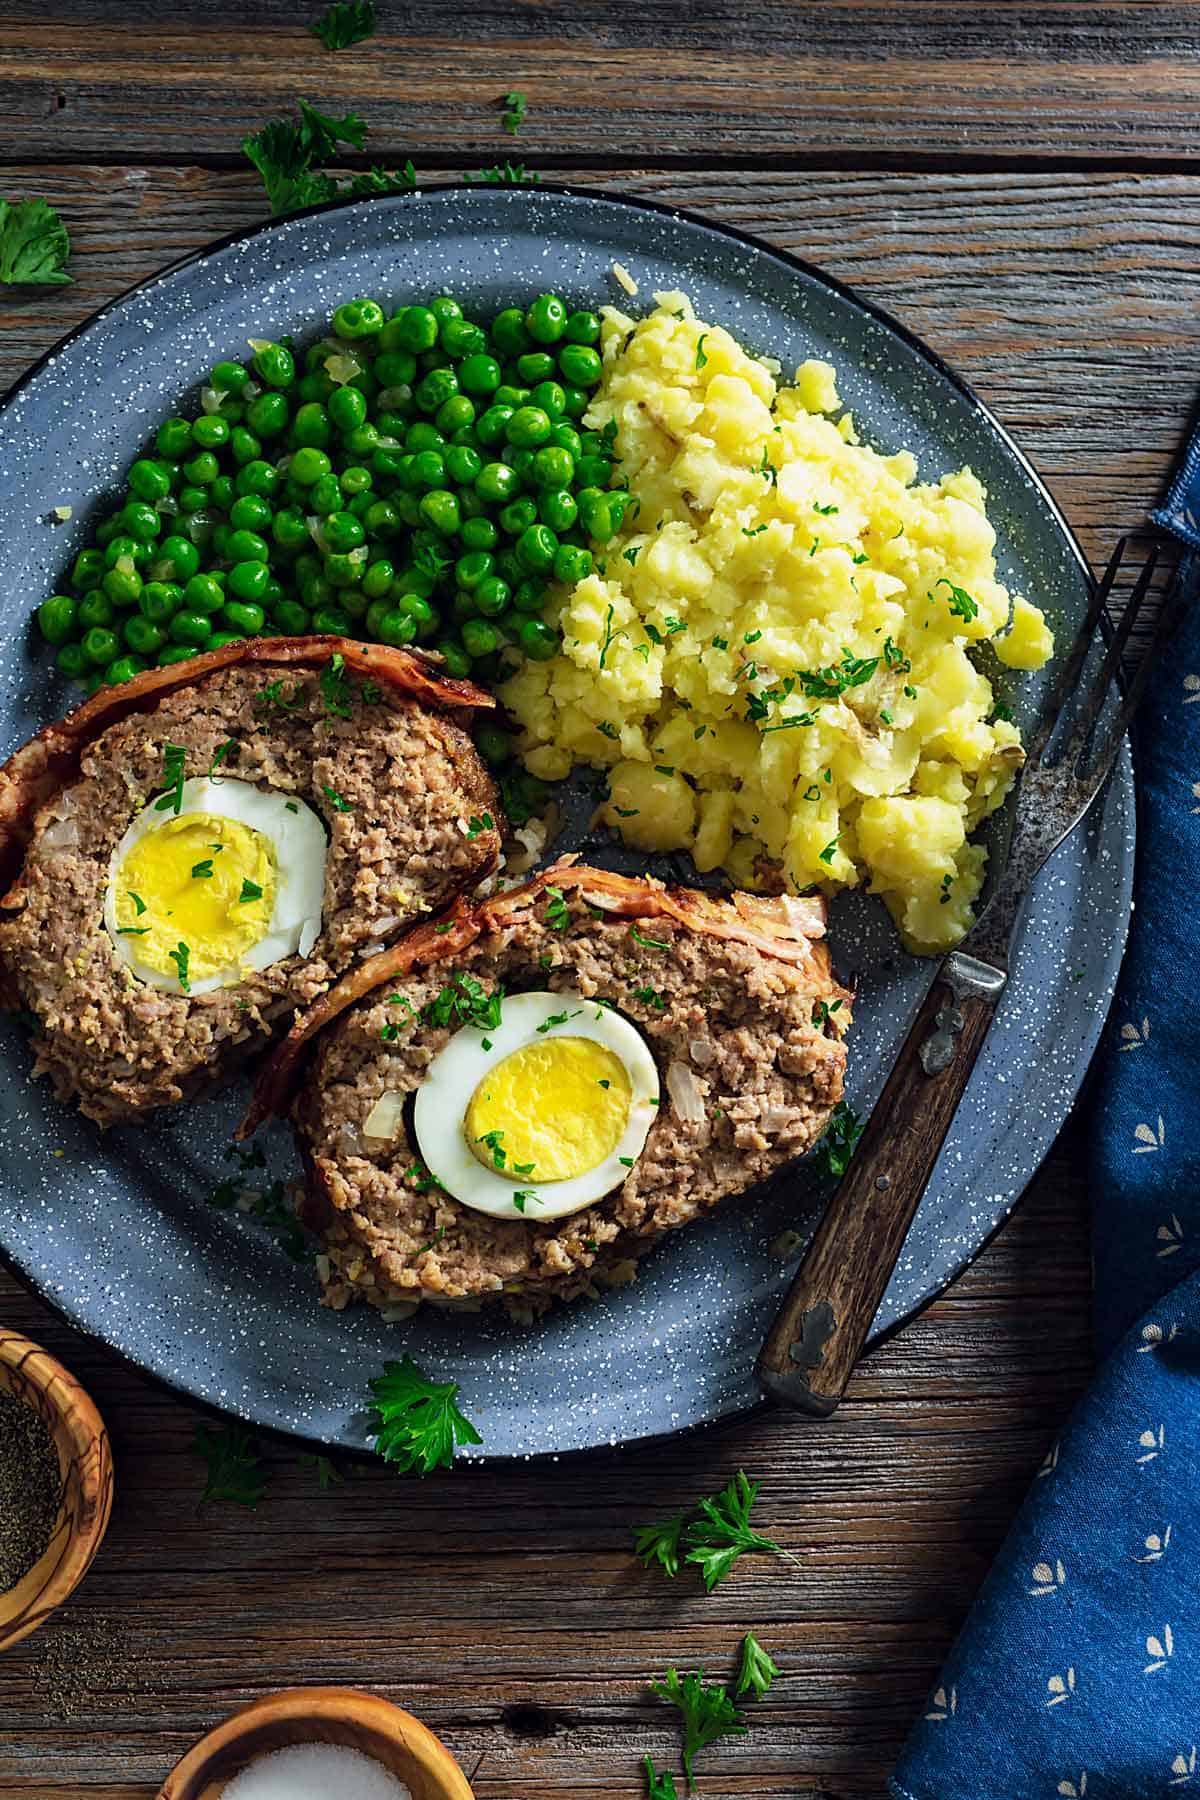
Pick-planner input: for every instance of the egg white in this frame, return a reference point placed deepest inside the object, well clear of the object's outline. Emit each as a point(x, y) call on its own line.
point(298, 840)
point(457, 1070)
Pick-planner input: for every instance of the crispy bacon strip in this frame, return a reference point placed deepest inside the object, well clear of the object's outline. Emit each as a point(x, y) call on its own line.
point(786, 929)
point(427, 943)
point(50, 761)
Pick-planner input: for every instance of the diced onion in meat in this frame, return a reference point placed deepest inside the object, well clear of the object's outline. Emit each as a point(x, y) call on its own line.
point(685, 1093)
point(383, 1120)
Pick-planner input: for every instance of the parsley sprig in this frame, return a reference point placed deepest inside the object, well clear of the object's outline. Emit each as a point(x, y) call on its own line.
point(346, 22)
point(34, 245)
point(838, 1144)
point(235, 1471)
point(464, 1001)
point(757, 1669)
point(290, 159)
point(708, 1713)
point(515, 108)
point(174, 758)
point(713, 1537)
point(659, 1786)
point(420, 1427)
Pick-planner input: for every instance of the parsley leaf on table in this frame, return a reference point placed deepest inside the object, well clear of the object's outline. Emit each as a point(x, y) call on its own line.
point(708, 1713)
point(841, 1137)
point(234, 1470)
point(326, 1472)
point(344, 23)
point(660, 1543)
point(33, 244)
point(758, 1668)
point(659, 1787)
point(506, 174)
point(713, 1537)
point(420, 1427)
point(291, 158)
point(515, 107)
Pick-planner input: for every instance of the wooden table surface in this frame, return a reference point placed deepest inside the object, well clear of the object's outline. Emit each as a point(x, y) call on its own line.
point(1022, 188)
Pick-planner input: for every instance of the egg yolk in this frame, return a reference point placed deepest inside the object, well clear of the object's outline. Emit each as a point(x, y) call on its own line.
point(202, 881)
point(550, 1111)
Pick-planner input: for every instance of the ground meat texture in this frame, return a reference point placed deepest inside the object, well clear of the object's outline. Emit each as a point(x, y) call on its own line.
point(410, 781)
point(737, 1028)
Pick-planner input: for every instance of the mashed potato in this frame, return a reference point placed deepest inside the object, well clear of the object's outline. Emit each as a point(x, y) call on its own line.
point(772, 657)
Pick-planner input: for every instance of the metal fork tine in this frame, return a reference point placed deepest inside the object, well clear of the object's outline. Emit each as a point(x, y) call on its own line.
point(1069, 673)
point(1176, 604)
point(1098, 689)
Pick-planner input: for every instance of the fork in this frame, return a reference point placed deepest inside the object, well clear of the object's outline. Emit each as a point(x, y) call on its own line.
point(819, 1331)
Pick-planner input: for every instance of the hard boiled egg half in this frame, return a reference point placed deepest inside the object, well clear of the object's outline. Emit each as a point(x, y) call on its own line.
point(541, 1115)
point(229, 883)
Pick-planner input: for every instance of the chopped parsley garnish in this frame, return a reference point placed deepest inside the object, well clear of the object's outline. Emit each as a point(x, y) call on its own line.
point(1001, 710)
point(221, 754)
point(344, 23)
point(290, 806)
point(338, 803)
point(463, 1001)
point(674, 625)
point(649, 942)
point(894, 657)
point(885, 717)
point(335, 689)
point(437, 1237)
point(420, 1427)
point(713, 1537)
point(708, 1712)
point(630, 556)
point(841, 1136)
point(608, 622)
point(827, 853)
point(832, 682)
point(139, 905)
point(423, 1179)
point(274, 695)
point(523, 1197)
point(235, 1471)
point(326, 1471)
point(860, 557)
point(174, 758)
point(824, 511)
point(132, 930)
point(757, 1669)
point(701, 358)
point(720, 643)
point(513, 116)
point(603, 1082)
point(558, 913)
point(651, 996)
point(561, 1018)
point(290, 157)
point(179, 956)
point(751, 637)
point(664, 768)
point(658, 1786)
point(250, 890)
point(477, 823)
point(627, 812)
point(945, 896)
point(767, 469)
point(626, 1162)
point(791, 720)
point(753, 531)
point(607, 729)
point(822, 1011)
point(494, 1140)
point(910, 692)
point(34, 245)
point(505, 174)
point(202, 871)
point(961, 603)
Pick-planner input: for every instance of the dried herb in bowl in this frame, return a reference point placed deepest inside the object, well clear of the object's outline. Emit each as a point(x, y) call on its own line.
point(30, 1489)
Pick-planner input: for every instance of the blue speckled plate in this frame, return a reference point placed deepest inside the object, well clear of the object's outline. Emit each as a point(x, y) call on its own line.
point(118, 1233)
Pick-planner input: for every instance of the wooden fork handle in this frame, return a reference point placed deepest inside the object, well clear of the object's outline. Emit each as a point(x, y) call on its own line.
point(819, 1331)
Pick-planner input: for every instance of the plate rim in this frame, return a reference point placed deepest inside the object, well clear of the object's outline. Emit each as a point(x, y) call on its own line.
point(937, 363)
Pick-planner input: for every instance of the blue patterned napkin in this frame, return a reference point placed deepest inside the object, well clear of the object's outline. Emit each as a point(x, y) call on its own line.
point(1077, 1674)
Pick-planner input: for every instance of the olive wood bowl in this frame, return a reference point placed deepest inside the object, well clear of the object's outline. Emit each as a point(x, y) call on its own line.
point(319, 1715)
point(85, 1462)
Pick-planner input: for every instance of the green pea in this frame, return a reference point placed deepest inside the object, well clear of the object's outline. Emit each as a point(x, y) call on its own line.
point(122, 587)
point(553, 467)
point(395, 368)
point(375, 615)
point(177, 559)
point(397, 627)
point(241, 615)
point(248, 581)
point(419, 611)
point(88, 568)
point(273, 593)
point(508, 331)
point(189, 627)
point(191, 499)
point(455, 414)
point(342, 532)
point(259, 477)
point(347, 408)
point(473, 568)
point(507, 395)
point(229, 377)
point(275, 364)
point(202, 469)
point(427, 471)
point(456, 662)
point(479, 373)
point(173, 437)
point(580, 365)
point(551, 397)
point(311, 426)
point(463, 607)
point(444, 307)
point(210, 431)
point(250, 512)
point(537, 365)
point(463, 464)
point(518, 516)
point(572, 563)
point(546, 320)
point(536, 547)
point(243, 445)
point(382, 520)
point(492, 595)
point(123, 668)
point(440, 509)
point(100, 645)
point(422, 435)
point(528, 427)
point(140, 521)
point(582, 328)
point(219, 639)
point(149, 480)
point(357, 481)
point(522, 461)
point(203, 594)
point(358, 319)
point(325, 496)
point(416, 328)
point(378, 579)
point(593, 471)
point(70, 661)
point(143, 636)
point(479, 638)
point(56, 618)
point(159, 600)
point(530, 595)
point(496, 481)
point(565, 437)
point(267, 415)
point(95, 608)
point(557, 508)
point(292, 618)
point(316, 385)
point(308, 465)
point(174, 653)
point(491, 426)
point(576, 404)
point(341, 570)
point(362, 440)
point(331, 621)
point(538, 640)
point(436, 388)
point(479, 534)
point(222, 493)
point(494, 745)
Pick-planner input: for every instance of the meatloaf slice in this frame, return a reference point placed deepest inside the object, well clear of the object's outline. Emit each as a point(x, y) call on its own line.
point(728, 996)
point(383, 761)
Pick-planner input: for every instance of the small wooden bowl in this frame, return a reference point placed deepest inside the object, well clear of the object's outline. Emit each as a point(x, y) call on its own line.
point(85, 1461)
point(319, 1715)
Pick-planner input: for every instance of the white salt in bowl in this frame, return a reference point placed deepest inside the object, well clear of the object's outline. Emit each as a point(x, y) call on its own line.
point(319, 1715)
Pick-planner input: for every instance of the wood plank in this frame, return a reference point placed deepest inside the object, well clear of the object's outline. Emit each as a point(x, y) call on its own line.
point(616, 81)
